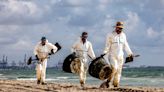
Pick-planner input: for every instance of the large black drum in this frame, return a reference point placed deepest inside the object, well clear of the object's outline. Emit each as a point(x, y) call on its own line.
point(71, 64)
point(100, 69)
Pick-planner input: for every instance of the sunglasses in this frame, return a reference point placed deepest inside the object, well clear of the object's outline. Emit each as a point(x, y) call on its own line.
point(84, 36)
point(120, 28)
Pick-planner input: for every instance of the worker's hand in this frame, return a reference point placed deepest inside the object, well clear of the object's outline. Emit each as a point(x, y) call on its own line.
point(36, 56)
point(74, 53)
point(102, 55)
point(130, 55)
point(129, 58)
point(52, 52)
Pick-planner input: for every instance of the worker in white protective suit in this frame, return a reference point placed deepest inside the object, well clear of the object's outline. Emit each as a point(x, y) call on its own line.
point(42, 51)
point(116, 42)
point(83, 48)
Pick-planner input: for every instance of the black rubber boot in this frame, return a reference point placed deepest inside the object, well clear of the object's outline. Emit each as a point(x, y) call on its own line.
point(38, 81)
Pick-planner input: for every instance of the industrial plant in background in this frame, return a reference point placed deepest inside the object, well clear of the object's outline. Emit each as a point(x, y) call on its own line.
point(22, 64)
point(4, 63)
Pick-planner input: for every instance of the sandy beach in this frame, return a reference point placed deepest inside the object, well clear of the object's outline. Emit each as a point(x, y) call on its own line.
point(31, 86)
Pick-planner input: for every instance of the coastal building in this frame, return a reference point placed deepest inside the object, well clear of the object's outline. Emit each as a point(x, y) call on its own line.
point(3, 62)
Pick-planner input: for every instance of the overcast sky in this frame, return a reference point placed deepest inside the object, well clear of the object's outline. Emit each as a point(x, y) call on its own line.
point(24, 22)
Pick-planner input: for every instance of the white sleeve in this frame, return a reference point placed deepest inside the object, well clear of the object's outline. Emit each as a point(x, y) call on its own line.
point(126, 46)
point(91, 52)
point(52, 46)
point(108, 44)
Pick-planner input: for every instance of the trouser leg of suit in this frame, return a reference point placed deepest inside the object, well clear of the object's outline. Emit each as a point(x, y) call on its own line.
point(83, 72)
point(117, 75)
point(43, 74)
point(41, 70)
point(38, 71)
point(112, 64)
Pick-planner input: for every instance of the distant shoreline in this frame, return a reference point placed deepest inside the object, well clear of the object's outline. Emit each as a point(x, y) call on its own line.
point(60, 68)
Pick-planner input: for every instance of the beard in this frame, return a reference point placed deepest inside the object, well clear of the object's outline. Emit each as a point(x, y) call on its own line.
point(83, 40)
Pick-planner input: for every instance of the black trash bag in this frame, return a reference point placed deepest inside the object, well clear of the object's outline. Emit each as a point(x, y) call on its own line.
point(67, 63)
point(99, 68)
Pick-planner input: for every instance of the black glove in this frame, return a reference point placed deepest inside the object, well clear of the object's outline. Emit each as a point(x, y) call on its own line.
point(74, 53)
point(36, 56)
point(52, 52)
point(102, 55)
point(129, 59)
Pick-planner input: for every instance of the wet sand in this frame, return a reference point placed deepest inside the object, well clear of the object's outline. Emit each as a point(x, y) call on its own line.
point(31, 86)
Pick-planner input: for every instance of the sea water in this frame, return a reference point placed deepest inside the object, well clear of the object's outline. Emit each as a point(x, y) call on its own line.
point(146, 76)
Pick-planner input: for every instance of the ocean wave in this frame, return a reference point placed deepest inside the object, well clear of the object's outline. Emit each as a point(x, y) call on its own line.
point(23, 77)
point(1, 74)
point(62, 77)
point(26, 79)
point(48, 79)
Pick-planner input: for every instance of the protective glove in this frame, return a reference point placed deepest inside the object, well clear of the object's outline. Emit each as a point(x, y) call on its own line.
point(52, 52)
point(74, 53)
point(36, 56)
point(102, 55)
point(130, 55)
point(129, 58)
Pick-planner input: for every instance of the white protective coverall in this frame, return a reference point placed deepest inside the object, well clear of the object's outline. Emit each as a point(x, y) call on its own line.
point(115, 44)
point(83, 51)
point(42, 53)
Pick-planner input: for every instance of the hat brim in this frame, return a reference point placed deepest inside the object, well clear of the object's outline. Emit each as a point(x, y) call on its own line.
point(119, 26)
